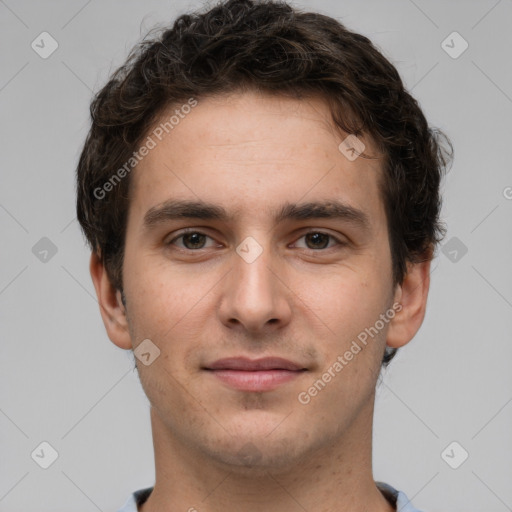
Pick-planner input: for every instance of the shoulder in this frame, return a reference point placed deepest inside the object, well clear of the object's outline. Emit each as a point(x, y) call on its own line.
point(396, 498)
point(136, 498)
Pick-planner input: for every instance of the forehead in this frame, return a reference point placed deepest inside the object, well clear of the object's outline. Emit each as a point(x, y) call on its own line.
point(252, 152)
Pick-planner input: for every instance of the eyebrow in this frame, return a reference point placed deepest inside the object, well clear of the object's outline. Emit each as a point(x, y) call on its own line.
point(181, 209)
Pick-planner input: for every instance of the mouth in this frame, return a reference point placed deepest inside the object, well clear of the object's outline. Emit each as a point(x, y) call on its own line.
point(263, 374)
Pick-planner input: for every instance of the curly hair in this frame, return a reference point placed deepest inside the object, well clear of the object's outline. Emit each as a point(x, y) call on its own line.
point(271, 47)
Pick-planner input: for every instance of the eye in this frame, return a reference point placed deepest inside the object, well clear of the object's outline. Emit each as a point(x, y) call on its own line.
point(195, 240)
point(191, 240)
point(316, 240)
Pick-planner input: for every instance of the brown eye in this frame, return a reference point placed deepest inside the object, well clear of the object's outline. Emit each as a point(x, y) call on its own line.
point(191, 240)
point(194, 240)
point(317, 240)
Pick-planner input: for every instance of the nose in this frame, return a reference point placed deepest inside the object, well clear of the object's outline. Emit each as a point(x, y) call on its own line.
point(255, 296)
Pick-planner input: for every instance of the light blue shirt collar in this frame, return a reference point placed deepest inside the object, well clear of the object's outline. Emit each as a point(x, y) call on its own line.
point(401, 501)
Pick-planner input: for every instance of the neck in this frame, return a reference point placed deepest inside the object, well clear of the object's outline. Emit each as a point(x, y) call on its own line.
point(336, 477)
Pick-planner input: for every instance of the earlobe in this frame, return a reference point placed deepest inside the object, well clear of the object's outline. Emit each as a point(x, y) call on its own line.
point(112, 309)
point(412, 294)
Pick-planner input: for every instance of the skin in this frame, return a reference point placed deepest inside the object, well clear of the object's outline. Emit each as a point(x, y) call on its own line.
point(302, 299)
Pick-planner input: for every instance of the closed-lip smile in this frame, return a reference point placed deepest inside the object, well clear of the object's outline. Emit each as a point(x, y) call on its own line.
point(264, 363)
point(264, 374)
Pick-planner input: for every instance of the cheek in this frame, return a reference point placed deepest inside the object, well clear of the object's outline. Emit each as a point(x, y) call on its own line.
point(152, 306)
point(168, 305)
point(345, 302)
point(349, 305)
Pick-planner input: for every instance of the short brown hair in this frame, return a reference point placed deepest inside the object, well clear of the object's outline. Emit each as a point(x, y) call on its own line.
point(271, 47)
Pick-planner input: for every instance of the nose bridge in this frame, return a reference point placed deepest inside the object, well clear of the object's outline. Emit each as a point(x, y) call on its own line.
point(253, 295)
point(251, 271)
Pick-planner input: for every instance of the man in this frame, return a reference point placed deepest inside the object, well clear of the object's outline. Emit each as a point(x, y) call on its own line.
point(261, 197)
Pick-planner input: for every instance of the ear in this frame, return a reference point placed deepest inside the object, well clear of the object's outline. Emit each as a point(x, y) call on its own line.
point(412, 295)
point(111, 307)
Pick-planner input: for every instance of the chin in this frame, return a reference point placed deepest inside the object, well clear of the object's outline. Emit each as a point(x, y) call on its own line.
point(253, 461)
point(256, 450)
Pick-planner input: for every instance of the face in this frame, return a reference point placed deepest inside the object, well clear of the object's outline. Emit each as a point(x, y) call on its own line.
point(285, 254)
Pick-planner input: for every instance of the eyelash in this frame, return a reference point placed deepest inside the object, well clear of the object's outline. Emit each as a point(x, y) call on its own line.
point(194, 231)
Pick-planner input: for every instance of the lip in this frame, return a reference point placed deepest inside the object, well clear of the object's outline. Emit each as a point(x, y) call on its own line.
point(246, 364)
point(263, 374)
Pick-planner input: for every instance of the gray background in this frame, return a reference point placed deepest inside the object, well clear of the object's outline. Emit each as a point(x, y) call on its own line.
point(62, 381)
